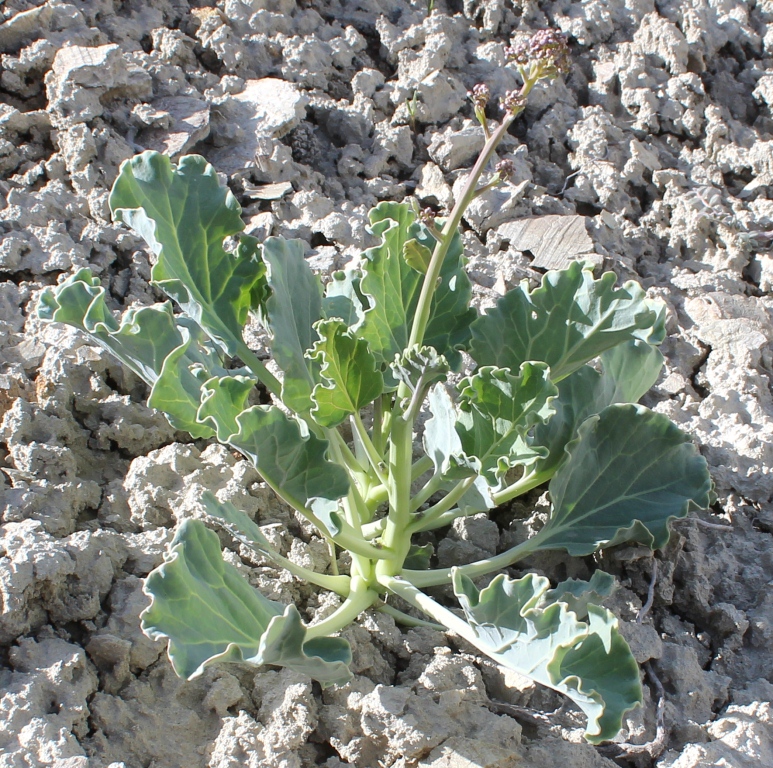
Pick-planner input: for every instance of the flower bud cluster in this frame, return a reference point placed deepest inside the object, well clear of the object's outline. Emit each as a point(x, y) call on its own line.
point(513, 102)
point(427, 216)
point(546, 51)
point(505, 169)
point(479, 95)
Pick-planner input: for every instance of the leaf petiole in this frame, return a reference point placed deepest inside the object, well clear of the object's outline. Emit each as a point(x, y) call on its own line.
point(437, 577)
point(360, 598)
point(442, 506)
point(407, 620)
point(431, 486)
point(375, 459)
point(521, 486)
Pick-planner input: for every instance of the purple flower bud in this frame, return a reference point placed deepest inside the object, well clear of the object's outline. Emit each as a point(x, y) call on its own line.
point(546, 50)
point(517, 53)
point(505, 169)
point(513, 102)
point(427, 216)
point(479, 95)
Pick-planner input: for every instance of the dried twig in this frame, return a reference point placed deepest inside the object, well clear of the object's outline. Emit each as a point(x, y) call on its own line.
point(645, 609)
point(526, 713)
point(705, 523)
point(656, 746)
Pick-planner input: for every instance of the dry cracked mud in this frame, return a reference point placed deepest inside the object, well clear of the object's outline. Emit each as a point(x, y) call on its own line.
point(653, 158)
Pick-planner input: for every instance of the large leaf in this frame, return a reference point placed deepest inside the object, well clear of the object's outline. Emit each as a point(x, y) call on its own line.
point(589, 662)
point(184, 214)
point(570, 319)
point(294, 306)
point(496, 410)
point(392, 287)
point(348, 369)
point(628, 473)
point(209, 613)
point(291, 461)
point(628, 372)
point(166, 351)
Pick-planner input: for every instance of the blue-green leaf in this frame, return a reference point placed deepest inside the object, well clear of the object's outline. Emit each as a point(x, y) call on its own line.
point(294, 306)
point(348, 372)
point(578, 594)
point(343, 298)
point(628, 372)
point(209, 613)
point(184, 214)
point(169, 353)
point(293, 462)
point(628, 473)
point(496, 410)
point(589, 662)
point(570, 319)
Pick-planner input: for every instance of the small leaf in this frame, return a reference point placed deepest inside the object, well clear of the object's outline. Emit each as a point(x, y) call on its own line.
point(417, 256)
point(570, 319)
point(184, 214)
point(496, 410)
point(444, 446)
point(177, 391)
point(209, 613)
point(577, 594)
point(349, 371)
point(588, 662)
point(418, 367)
point(628, 473)
point(633, 368)
point(343, 299)
point(290, 460)
point(294, 306)
point(441, 440)
point(392, 288)
point(419, 557)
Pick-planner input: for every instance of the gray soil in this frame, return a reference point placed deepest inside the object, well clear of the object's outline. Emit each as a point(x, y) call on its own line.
point(654, 158)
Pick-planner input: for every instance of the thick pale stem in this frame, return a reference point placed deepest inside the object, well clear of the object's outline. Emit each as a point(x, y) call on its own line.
point(435, 578)
point(400, 459)
point(424, 603)
point(360, 599)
